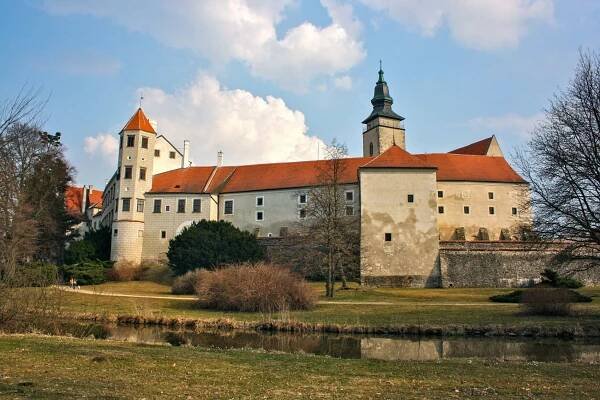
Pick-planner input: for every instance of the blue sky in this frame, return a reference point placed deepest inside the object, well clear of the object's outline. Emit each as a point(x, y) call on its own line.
point(274, 80)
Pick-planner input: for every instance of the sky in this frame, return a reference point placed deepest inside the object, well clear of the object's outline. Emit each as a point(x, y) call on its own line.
point(277, 80)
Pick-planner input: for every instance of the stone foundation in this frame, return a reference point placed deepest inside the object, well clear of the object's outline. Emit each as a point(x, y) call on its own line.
point(407, 281)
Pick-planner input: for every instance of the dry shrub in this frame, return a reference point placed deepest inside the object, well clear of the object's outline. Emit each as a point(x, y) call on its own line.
point(547, 301)
point(186, 283)
point(125, 271)
point(257, 287)
point(157, 272)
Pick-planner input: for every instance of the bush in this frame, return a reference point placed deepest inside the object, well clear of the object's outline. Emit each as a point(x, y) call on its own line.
point(254, 288)
point(208, 244)
point(95, 245)
point(37, 274)
point(155, 271)
point(86, 272)
point(124, 271)
point(78, 251)
point(547, 301)
point(553, 279)
point(516, 297)
point(186, 283)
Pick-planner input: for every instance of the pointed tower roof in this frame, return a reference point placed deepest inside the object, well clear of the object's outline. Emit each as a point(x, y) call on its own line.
point(396, 157)
point(139, 122)
point(382, 101)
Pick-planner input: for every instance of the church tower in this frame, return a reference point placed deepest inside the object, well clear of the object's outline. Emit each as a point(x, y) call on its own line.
point(134, 179)
point(383, 127)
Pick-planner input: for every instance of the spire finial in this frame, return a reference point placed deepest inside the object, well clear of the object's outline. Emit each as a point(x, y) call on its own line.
point(141, 98)
point(380, 72)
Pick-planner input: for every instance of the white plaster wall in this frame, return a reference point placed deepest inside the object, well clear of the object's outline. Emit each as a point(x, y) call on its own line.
point(163, 163)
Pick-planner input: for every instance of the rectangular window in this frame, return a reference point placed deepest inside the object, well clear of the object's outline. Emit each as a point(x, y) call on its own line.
point(128, 171)
point(411, 198)
point(491, 195)
point(196, 206)
point(167, 208)
point(228, 207)
point(260, 215)
point(491, 210)
point(302, 199)
point(142, 173)
point(126, 204)
point(388, 237)
point(514, 211)
point(440, 194)
point(156, 153)
point(116, 232)
point(349, 211)
point(130, 140)
point(349, 196)
point(440, 209)
point(302, 214)
point(157, 206)
point(140, 205)
point(163, 234)
point(144, 142)
point(181, 205)
point(260, 201)
point(171, 154)
point(466, 209)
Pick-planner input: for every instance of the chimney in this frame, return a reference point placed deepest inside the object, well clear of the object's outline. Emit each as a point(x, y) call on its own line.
point(185, 162)
point(219, 158)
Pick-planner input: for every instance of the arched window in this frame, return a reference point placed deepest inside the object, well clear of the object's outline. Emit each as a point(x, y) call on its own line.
point(371, 148)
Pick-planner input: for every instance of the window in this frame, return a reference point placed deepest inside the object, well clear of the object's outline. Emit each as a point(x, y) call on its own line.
point(116, 232)
point(126, 204)
point(156, 153)
point(171, 154)
point(349, 196)
point(163, 234)
point(302, 199)
point(411, 198)
point(466, 209)
point(491, 210)
point(440, 194)
point(196, 206)
point(514, 211)
point(167, 208)
point(144, 142)
point(181, 205)
point(157, 206)
point(142, 173)
point(260, 215)
point(440, 209)
point(302, 214)
point(371, 149)
point(260, 201)
point(130, 140)
point(140, 205)
point(491, 195)
point(349, 210)
point(228, 207)
point(128, 171)
point(388, 237)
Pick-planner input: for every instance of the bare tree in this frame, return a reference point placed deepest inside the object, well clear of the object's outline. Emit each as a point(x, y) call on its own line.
point(562, 165)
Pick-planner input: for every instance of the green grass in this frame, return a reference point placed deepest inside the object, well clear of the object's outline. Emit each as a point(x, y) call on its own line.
point(63, 368)
point(408, 306)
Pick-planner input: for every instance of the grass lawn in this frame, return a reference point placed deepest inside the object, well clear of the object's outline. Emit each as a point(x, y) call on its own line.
point(407, 306)
point(63, 368)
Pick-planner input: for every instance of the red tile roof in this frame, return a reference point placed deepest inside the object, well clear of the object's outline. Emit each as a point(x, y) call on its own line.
point(476, 168)
point(182, 180)
point(396, 157)
point(95, 198)
point(478, 148)
point(73, 200)
point(139, 122)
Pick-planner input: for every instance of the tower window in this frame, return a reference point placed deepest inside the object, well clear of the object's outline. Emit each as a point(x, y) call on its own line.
point(260, 201)
point(260, 215)
point(196, 206)
point(144, 142)
point(440, 209)
point(388, 237)
point(302, 199)
point(130, 140)
point(140, 205)
point(411, 198)
point(181, 205)
point(302, 214)
point(128, 172)
point(371, 149)
point(492, 210)
point(228, 207)
point(156, 153)
point(467, 209)
point(163, 234)
point(349, 196)
point(116, 232)
point(440, 194)
point(157, 206)
point(142, 173)
point(171, 154)
point(491, 195)
point(514, 211)
point(126, 204)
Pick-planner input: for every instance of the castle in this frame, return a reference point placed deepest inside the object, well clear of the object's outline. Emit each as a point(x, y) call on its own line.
point(408, 203)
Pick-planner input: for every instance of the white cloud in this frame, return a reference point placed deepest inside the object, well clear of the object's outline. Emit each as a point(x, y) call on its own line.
point(514, 124)
point(103, 146)
point(243, 30)
point(246, 127)
point(343, 82)
point(478, 24)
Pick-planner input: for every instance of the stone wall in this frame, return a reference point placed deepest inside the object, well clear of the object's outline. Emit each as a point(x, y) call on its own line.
point(500, 264)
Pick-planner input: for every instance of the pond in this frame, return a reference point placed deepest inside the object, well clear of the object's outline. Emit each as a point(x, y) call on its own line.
point(389, 348)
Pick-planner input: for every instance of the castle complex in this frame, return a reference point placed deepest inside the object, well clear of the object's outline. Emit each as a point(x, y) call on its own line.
point(408, 203)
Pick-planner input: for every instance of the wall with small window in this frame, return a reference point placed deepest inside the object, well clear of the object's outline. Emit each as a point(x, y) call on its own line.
point(162, 156)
